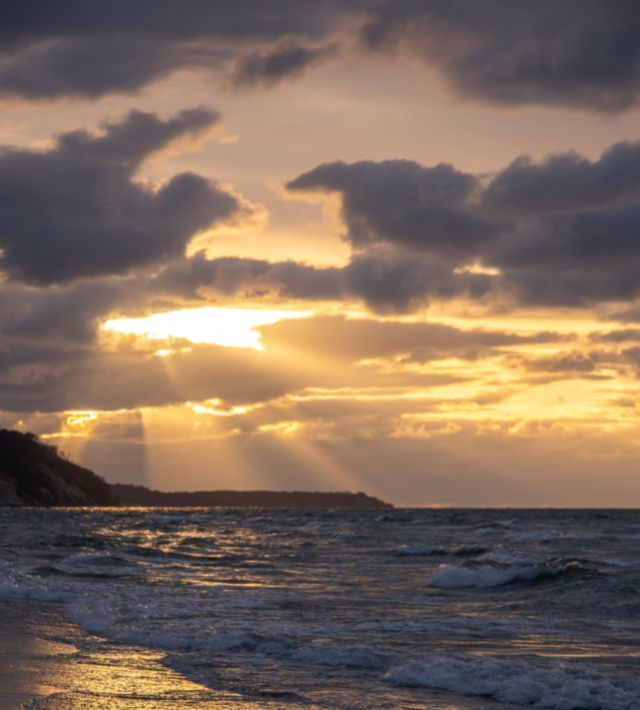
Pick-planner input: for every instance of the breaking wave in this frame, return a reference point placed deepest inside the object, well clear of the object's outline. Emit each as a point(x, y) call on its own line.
point(497, 575)
point(558, 686)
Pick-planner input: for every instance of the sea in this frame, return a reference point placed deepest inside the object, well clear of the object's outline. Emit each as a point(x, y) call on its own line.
point(402, 608)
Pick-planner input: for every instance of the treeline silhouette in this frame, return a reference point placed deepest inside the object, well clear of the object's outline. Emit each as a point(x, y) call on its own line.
point(35, 473)
point(141, 496)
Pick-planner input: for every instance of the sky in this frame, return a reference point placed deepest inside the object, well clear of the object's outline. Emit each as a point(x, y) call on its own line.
point(379, 245)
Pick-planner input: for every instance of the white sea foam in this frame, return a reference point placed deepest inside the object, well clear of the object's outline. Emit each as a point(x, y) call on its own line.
point(121, 620)
point(461, 577)
point(10, 591)
point(558, 686)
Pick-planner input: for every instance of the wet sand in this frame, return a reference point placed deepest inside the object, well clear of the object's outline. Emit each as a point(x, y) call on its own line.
point(47, 662)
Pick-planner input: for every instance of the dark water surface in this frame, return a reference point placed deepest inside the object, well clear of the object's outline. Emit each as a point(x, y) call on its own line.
point(353, 609)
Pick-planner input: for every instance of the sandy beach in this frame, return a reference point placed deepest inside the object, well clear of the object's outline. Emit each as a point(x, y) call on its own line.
point(47, 662)
point(30, 663)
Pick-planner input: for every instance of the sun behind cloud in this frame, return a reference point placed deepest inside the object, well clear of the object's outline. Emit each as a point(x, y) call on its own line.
point(229, 327)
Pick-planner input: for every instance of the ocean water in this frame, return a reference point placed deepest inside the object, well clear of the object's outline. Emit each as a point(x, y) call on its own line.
point(352, 609)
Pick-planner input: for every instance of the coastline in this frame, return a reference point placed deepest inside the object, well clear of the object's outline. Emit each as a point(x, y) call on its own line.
point(48, 662)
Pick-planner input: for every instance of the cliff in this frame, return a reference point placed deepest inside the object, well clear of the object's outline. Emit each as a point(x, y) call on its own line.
point(141, 496)
point(35, 474)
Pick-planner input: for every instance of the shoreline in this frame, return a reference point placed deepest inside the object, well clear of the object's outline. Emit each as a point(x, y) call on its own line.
point(47, 662)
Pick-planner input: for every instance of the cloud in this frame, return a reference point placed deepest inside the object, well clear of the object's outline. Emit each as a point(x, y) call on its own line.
point(402, 202)
point(339, 338)
point(235, 276)
point(568, 363)
point(75, 211)
point(386, 280)
point(34, 378)
point(271, 67)
point(629, 314)
point(567, 181)
point(51, 373)
point(115, 47)
point(393, 281)
point(89, 67)
point(560, 232)
point(580, 54)
point(132, 378)
point(617, 336)
point(61, 314)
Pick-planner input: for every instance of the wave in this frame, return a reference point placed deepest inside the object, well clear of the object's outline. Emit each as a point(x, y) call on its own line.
point(99, 559)
point(223, 597)
point(335, 655)
point(504, 556)
point(550, 535)
point(498, 575)
point(557, 686)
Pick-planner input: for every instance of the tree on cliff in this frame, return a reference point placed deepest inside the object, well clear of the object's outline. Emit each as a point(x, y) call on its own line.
point(35, 473)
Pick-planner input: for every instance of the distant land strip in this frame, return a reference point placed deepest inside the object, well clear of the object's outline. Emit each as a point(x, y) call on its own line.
point(130, 495)
point(33, 473)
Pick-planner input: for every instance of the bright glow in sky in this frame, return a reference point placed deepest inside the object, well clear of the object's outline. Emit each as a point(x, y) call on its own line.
point(230, 327)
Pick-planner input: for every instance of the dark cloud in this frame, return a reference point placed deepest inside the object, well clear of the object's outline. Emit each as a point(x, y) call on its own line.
point(561, 232)
point(569, 363)
point(572, 287)
point(234, 276)
point(576, 53)
point(387, 280)
point(269, 68)
point(394, 281)
point(24, 361)
point(567, 181)
point(402, 202)
point(64, 314)
point(75, 211)
point(90, 67)
point(186, 20)
point(579, 239)
point(81, 50)
point(617, 336)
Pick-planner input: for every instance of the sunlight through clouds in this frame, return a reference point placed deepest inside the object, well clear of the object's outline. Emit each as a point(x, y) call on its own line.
point(230, 327)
